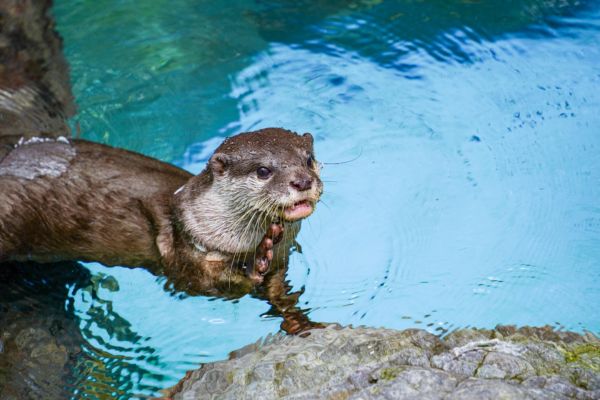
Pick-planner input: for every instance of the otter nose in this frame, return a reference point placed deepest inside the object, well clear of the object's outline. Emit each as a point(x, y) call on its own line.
point(301, 184)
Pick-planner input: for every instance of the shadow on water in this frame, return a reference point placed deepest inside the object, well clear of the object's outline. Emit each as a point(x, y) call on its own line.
point(45, 348)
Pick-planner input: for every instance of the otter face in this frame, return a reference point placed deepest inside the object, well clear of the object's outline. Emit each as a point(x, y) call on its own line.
point(271, 171)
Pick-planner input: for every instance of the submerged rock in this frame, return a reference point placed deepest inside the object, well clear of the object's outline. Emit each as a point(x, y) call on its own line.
point(364, 363)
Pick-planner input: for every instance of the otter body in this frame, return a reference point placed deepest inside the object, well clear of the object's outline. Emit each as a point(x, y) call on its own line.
point(80, 200)
point(77, 200)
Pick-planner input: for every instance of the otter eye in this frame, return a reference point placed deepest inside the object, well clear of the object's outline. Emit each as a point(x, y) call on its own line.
point(310, 161)
point(263, 172)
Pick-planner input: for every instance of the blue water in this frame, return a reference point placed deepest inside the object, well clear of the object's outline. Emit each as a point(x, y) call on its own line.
point(472, 130)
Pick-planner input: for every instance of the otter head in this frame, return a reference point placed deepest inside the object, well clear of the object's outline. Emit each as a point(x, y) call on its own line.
point(254, 179)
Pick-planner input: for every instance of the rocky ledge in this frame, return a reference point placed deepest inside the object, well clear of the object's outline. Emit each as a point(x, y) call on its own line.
point(363, 363)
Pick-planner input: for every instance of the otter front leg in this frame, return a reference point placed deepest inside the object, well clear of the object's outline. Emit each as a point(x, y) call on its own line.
point(264, 253)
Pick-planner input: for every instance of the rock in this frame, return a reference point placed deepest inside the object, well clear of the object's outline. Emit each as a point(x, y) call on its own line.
point(409, 383)
point(363, 363)
point(504, 366)
point(463, 336)
point(492, 389)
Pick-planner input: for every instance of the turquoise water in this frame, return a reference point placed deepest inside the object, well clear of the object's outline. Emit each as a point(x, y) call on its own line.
point(472, 130)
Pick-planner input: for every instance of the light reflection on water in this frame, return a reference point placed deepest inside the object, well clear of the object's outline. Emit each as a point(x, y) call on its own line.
point(472, 197)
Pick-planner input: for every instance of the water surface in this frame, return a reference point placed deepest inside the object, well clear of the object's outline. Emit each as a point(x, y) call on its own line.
point(472, 131)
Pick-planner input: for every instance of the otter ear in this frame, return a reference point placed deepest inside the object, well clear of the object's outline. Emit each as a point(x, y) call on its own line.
point(219, 163)
point(308, 137)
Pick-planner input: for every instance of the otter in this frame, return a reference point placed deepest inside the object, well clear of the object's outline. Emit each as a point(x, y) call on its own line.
point(78, 200)
point(225, 232)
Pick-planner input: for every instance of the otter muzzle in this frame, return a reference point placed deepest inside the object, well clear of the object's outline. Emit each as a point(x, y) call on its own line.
point(299, 210)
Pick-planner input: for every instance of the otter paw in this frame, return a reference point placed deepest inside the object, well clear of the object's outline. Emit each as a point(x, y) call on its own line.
point(275, 232)
point(264, 250)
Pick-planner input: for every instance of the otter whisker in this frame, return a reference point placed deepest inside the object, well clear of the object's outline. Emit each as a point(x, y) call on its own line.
point(345, 162)
point(325, 204)
point(249, 226)
point(241, 219)
point(247, 222)
point(250, 208)
point(285, 234)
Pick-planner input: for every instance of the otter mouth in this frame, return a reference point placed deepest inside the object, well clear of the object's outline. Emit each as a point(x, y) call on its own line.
point(298, 210)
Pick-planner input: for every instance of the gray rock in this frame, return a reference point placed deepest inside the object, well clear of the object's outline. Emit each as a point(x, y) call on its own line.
point(463, 336)
point(464, 364)
point(562, 386)
point(409, 383)
point(362, 363)
point(504, 366)
point(492, 389)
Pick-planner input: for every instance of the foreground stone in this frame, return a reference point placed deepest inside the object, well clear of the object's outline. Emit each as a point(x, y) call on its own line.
point(363, 363)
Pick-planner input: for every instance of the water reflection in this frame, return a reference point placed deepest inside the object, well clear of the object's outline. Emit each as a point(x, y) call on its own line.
point(386, 31)
point(167, 86)
point(47, 351)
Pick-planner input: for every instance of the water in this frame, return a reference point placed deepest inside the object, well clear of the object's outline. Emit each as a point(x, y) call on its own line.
point(471, 195)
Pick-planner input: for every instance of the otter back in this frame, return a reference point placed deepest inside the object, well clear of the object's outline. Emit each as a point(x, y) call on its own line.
point(63, 200)
point(37, 159)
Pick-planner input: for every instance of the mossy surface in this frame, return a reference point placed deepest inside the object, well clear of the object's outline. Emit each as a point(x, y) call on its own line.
point(389, 374)
point(587, 355)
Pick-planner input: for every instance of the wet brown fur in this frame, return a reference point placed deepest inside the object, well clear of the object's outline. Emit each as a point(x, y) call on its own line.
point(103, 208)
